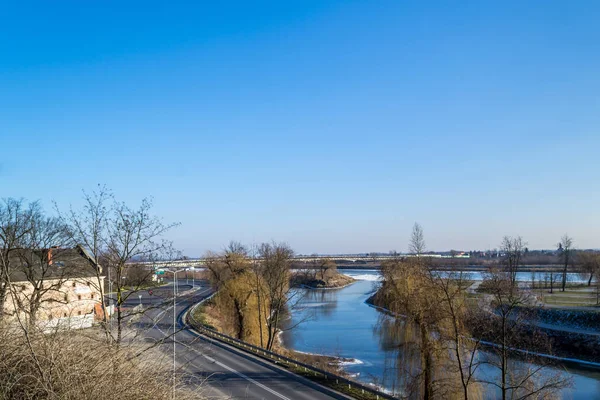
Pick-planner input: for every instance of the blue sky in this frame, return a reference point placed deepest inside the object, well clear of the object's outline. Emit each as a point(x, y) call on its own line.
point(332, 125)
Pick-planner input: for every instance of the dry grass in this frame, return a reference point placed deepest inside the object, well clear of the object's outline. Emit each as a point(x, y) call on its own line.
point(73, 365)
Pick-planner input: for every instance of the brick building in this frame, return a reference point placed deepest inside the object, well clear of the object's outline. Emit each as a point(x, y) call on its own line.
point(59, 287)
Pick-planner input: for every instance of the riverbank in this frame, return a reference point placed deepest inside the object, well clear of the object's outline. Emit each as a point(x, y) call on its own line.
point(207, 315)
point(343, 324)
point(307, 281)
point(568, 345)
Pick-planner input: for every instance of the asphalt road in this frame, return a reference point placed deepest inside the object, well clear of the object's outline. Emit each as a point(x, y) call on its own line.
point(218, 370)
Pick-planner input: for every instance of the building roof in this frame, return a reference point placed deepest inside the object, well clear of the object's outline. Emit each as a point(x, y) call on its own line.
point(55, 263)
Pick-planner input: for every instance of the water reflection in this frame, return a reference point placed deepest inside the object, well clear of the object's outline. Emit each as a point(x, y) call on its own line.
point(342, 324)
point(398, 341)
point(318, 303)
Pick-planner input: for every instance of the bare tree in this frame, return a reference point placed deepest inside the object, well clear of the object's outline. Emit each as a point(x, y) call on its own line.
point(276, 259)
point(417, 241)
point(116, 237)
point(404, 291)
point(565, 250)
point(590, 265)
point(41, 264)
point(512, 249)
point(223, 267)
point(452, 329)
point(88, 228)
point(15, 225)
point(325, 269)
point(506, 326)
point(132, 235)
point(231, 275)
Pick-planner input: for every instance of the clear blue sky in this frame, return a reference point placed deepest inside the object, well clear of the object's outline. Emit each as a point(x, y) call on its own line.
point(332, 125)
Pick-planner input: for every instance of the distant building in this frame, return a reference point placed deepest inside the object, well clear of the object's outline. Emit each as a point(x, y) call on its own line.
point(61, 285)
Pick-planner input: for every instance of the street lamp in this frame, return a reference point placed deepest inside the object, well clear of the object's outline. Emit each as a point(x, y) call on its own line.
point(175, 287)
point(140, 296)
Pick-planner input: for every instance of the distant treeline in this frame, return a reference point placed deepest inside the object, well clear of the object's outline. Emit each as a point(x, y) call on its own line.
point(533, 259)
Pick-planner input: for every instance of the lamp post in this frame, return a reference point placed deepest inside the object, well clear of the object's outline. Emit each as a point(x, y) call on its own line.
point(175, 288)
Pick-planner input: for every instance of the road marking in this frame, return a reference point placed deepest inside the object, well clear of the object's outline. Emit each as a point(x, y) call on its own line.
point(241, 375)
point(268, 389)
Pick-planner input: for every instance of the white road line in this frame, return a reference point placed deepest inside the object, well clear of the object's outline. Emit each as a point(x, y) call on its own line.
point(268, 389)
point(212, 360)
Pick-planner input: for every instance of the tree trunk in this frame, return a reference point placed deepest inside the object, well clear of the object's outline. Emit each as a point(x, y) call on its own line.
point(120, 316)
point(426, 362)
point(564, 274)
point(273, 330)
point(240, 319)
point(260, 324)
point(504, 356)
point(3, 291)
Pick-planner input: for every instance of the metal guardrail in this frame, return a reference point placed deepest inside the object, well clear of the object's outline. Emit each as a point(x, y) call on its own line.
point(279, 359)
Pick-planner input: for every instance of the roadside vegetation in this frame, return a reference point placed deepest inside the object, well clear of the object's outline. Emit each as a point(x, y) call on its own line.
point(39, 360)
point(255, 291)
point(81, 365)
point(448, 327)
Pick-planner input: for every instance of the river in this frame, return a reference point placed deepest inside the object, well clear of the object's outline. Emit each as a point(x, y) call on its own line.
point(338, 322)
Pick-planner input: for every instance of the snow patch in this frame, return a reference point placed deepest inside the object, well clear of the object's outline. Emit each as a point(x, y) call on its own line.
point(348, 362)
point(365, 277)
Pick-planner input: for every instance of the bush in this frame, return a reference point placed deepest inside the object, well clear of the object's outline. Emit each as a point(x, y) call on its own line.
point(77, 365)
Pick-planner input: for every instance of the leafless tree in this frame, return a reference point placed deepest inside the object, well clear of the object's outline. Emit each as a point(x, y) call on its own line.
point(454, 313)
point(404, 291)
point(116, 237)
point(15, 225)
point(507, 326)
point(41, 265)
point(276, 259)
point(512, 249)
point(231, 275)
point(325, 269)
point(223, 267)
point(133, 235)
point(88, 228)
point(417, 241)
point(551, 279)
point(565, 250)
point(589, 262)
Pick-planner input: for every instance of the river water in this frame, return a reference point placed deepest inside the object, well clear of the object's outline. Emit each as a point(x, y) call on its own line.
point(338, 322)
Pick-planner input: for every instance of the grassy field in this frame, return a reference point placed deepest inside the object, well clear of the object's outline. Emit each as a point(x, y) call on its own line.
point(581, 296)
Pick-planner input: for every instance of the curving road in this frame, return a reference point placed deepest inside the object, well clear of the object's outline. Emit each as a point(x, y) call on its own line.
point(218, 370)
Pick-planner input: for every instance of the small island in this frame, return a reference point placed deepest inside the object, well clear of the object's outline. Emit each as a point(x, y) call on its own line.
point(322, 274)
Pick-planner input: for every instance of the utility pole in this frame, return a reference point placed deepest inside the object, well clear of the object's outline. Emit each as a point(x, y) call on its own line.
point(175, 293)
point(174, 324)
